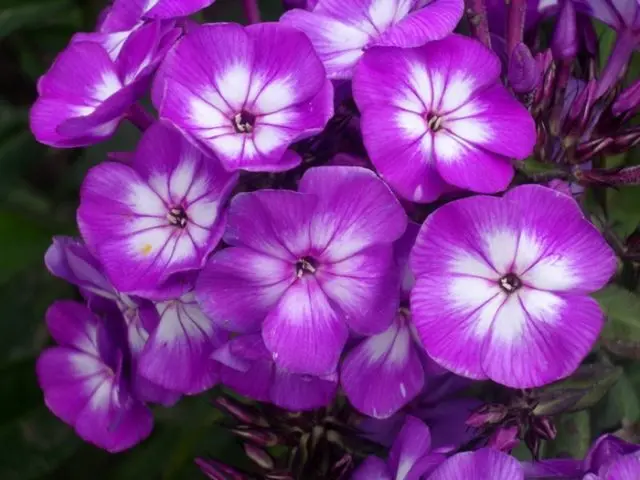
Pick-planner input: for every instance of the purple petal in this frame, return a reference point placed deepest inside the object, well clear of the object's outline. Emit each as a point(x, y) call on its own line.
point(479, 465)
point(174, 8)
point(176, 355)
point(553, 468)
point(383, 372)
point(73, 325)
point(247, 367)
point(605, 450)
point(356, 210)
point(239, 286)
point(626, 468)
point(296, 392)
point(436, 20)
point(412, 443)
point(372, 468)
point(364, 287)
point(275, 223)
point(303, 332)
point(559, 249)
point(69, 259)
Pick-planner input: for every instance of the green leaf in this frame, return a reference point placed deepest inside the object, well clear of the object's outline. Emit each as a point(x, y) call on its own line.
point(20, 14)
point(573, 438)
point(581, 390)
point(34, 445)
point(624, 209)
point(621, 333)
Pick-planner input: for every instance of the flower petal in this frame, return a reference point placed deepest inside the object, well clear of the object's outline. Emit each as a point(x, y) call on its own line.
point(383, 372)
point(296, 392)
point(479, 465)
point(235, 275)
point(373, 468)
point(528, 346)
point(303, 332)
point(71, 324)
point(412, 443)
point(355, 210)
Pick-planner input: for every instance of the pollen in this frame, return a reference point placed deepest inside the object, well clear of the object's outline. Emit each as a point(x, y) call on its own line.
point(146, 249)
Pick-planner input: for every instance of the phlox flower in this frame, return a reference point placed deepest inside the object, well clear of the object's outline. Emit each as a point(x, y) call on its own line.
point(502, 286)
point(85, 378)
point(341, 31)
point(384, 372)
point(437, 115)
point(125, 14)
point(306, 267)
point(245, 93)
point(248, 368)
point(479, 465)
point(160, 215)
point(410, 458)
point(93, 83)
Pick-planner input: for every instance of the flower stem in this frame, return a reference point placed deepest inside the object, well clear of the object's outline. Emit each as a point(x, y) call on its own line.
point(139, 117)
point(515, 23)
point(477, 15)
point(251, 11)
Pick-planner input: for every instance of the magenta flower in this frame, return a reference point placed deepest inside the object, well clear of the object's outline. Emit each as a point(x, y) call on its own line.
point(438, 114)
point(342, 31)
point(177, 353)
point(383, 372)
point(248, 368)
point(94, 82)
point(85, 382)
point(625, 468)
point(161, 215)
point(245, 93)
point(502, 288)
point(479, 465)
point(306, 267)
point(410, 458)
point(124, 14)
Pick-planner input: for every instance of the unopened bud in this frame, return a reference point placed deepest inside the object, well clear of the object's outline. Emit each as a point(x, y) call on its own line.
point(487, 415)
point(544, 428)
point(505, 439)
point(523, 71)
point(259, 456)
point(258, 437)
point(218, 471)
point(241, 412)
point(628, 102)
point(565, 36)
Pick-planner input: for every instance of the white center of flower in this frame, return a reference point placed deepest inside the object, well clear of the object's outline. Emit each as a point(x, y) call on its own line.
point(304, 266)
point(510, 283)
point(243, 122)
point(178, 217)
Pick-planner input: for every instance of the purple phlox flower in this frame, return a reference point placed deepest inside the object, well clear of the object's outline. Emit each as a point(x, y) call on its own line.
point(479, 465)
point(500, 284)
point(93, 83)
point(411, 456)
point(85, 382)
point(624, 468)
point(125, 14)
point(245, 93)
point(177, 353)
point(438, 114)
point(306, 267)
point(342, 31)
point(162, 214)
point(384, 372)
point(605, 452)
point(248, 368)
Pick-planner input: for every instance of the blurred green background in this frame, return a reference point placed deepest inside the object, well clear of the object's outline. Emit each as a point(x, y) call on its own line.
point(38, 198)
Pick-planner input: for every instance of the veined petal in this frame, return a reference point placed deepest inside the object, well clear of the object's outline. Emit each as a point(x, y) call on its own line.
point(480, 465)
point(355, 210)
point(176, 355)
point(373, 468)
point(296, 392)
point(73, 325)
point(239, 286)
point(412, 443)
point(383, 372)
point(528, 346)
point(303, 332)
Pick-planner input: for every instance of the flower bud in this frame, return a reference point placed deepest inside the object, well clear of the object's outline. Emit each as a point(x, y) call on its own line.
point(505, 439)
point(258, 437)
point(628, 101)
point(565, 37)
point(218, 471)
point(259, 456)
point(523, 71)
point(487, 415)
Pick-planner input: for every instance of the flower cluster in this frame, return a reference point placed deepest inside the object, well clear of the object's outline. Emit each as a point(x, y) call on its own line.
point(324, 216)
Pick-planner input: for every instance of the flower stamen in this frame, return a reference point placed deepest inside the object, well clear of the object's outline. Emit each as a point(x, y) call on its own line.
point(434, 122)
point(305, 265)
point(178, 217)
point(510, 283)
point(243, 122)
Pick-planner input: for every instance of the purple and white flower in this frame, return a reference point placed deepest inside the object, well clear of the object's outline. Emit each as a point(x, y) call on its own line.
point(161, 215)
point(94, 82)
point(245, 93)
point(306, 267)
point(85, 382)
point(384, 372)
point(502, 288)
point(342, 31)
point(479, 465)
point(411, 456)
point(248, 368)
point(438, 115)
